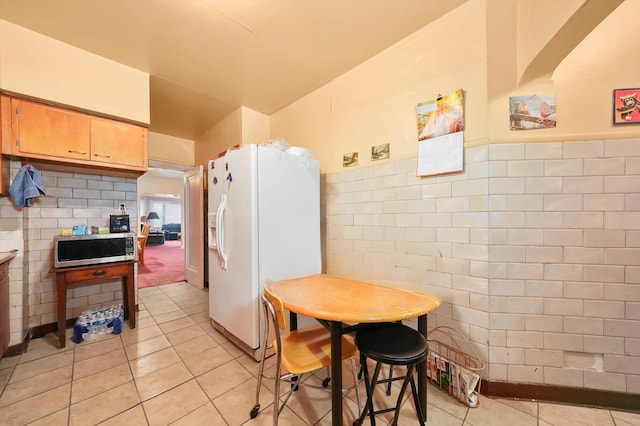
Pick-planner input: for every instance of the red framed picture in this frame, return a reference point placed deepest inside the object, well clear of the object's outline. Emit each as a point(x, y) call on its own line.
point(626, 106)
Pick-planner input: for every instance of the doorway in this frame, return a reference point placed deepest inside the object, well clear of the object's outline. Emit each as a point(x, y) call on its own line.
point(161, 191)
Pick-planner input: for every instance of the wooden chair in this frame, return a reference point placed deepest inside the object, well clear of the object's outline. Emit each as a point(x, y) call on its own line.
point(142, 241)
point(298, 352)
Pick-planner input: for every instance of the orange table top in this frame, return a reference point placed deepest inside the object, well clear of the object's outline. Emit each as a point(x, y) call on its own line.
point(333, 298)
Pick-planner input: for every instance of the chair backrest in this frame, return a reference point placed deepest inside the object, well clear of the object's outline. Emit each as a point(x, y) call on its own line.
point(145, 230)
point(278, 307)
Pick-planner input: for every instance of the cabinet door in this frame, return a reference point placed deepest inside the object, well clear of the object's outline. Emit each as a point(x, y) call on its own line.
point(46, 131)
point(118, 143)
point(5, 140)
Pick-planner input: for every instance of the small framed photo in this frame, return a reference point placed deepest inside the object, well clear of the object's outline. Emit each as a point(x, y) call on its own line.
point(350, 159)
point(380, 152)
point(532, 112)
point(626, 106)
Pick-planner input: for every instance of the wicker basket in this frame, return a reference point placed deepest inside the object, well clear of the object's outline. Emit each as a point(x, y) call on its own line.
point(451, 369)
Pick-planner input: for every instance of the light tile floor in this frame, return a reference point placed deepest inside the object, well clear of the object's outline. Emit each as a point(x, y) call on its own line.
point(173, 368)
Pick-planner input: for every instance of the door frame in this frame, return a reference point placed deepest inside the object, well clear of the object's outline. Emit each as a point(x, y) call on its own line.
point(193, 229)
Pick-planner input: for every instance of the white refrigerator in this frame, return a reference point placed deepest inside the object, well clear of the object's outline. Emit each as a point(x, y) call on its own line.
point(263, 224)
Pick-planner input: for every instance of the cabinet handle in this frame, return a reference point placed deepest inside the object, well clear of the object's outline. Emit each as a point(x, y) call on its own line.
point(99, 273)
point(72, 151)
point(102, 155)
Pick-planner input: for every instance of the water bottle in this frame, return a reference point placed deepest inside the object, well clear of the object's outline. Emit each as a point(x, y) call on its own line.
point(92, 326)
point(80, 328)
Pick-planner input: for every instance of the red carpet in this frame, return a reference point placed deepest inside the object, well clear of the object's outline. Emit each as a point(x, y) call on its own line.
point(162, 264)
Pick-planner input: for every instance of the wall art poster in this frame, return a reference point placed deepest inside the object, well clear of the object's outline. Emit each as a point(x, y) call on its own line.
point(626, 106)
point(532, 112)
point(350, 159)
point(380, 152)
point(441, 116)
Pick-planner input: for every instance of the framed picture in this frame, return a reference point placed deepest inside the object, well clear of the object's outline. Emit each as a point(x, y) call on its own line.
point(626, 106)
point(532, 112)
point(380, 152)
point(350, 159)
point(441, 116)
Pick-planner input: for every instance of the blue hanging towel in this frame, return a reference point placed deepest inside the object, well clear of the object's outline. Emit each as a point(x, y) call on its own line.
point(26, 186)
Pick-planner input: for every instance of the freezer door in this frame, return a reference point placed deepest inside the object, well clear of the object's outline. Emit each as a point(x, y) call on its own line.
point(289, 220)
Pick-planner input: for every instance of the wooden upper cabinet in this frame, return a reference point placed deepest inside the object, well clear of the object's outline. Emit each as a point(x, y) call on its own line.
point(5, 121)
point(40, 131)
point(119, 143)
point(5, 138)
point(43, 130)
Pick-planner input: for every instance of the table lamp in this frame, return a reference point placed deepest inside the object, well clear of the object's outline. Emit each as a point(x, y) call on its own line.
point(151, 216)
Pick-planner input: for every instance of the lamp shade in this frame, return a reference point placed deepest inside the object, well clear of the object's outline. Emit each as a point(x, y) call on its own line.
point(152, 215)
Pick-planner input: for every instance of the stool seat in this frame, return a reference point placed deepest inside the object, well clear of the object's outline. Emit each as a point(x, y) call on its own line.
point(392, 344)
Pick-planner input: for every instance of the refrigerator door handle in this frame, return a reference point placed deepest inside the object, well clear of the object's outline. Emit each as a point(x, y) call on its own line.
point(220, 231)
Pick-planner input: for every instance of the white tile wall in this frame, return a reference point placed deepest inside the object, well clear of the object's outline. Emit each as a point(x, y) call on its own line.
point(72, 199)
point(534, 248)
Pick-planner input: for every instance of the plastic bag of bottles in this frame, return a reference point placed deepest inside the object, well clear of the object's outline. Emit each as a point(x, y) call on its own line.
point(99, 322)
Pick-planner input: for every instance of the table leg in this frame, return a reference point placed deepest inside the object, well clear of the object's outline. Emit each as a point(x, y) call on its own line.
point(293, 321)
point(336, 373)
point(61, 288)
point(129, 296)
point(422, 370)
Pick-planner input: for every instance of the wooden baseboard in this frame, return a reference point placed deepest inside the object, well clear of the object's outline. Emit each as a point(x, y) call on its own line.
point(20, 348)
point(561, 394)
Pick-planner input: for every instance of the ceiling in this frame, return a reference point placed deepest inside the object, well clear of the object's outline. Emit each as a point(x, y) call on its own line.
point(206, 58)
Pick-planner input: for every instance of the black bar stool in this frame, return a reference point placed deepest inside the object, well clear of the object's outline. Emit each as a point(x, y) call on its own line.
point(391, 344)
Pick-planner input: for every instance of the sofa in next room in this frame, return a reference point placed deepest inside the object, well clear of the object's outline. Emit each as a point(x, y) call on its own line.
point(171, 231)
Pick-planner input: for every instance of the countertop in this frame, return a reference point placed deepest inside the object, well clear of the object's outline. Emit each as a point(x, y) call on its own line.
point(5, 256)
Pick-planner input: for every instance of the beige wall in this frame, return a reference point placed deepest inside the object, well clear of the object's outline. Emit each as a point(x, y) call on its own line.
point(44, 68)
point(375, 103)
point(533, 246)
point(255, 126)
point(40, 67)
point(583, 83)
point(227, 132)
point(170, 149)
point(475, 48)
point(242, 126)
point(150, 184)
point(536, 29)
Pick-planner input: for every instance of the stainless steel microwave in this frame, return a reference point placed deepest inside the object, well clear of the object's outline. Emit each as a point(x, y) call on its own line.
point(77, 250)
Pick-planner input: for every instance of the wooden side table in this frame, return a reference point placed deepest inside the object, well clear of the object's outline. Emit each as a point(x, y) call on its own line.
point(80, 276)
